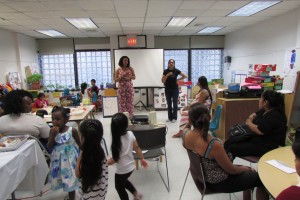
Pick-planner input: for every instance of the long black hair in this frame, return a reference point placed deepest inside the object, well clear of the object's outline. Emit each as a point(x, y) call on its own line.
point(276, 101)
point(13, 101)
point(202, 80)
point(119, 125)
point(92, 156)
point(83, 86)
point(199, 117)
point(121, 61)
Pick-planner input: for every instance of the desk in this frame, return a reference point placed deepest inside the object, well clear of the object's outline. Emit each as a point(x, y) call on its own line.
point(25, 167)
point(143, 127)
point(274, 179)
point(74, 118)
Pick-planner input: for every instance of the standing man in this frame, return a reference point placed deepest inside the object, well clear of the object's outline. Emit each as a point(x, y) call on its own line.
point(169, 79)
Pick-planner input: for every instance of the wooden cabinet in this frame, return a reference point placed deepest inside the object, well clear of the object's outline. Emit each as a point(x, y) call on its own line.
point(295, 105)
point(234, 111)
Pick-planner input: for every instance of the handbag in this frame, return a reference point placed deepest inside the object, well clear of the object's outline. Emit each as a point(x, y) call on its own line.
point(238, 133)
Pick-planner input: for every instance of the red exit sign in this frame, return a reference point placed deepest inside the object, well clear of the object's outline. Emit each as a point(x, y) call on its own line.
point(131, 41)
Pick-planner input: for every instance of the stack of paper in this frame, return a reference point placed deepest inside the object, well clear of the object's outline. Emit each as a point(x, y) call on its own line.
point(282, 166)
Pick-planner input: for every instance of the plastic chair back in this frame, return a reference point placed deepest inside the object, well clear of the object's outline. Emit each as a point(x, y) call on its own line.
point(214, 124)
point(151, 138)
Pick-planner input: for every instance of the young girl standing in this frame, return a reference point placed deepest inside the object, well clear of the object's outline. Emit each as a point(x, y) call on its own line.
point(123, 142)
point(65, 141)
point(91, 166)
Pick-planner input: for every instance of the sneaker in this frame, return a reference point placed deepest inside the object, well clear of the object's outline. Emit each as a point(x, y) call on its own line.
point(168, 120)
point(174, 120)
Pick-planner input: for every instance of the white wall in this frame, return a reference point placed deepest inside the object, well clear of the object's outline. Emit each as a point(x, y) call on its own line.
point(264, 43)
point(16, 52)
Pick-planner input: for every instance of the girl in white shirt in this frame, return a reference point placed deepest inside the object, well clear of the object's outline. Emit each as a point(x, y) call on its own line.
point(123, 142)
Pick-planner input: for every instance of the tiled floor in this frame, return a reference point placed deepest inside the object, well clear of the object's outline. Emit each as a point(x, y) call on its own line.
point(147, 181)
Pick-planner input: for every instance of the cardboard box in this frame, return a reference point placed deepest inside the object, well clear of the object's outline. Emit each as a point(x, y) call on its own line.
point(264, 67)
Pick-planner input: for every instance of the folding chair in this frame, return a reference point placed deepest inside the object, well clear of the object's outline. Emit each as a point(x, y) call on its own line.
point(214, 124)
point(197, 173)
point(154, 141)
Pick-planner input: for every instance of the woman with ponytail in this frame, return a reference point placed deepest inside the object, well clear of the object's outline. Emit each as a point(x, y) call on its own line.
point(221, 175)
point(269, 124)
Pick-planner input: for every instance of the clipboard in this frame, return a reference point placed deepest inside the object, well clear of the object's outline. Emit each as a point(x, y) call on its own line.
point(109, 106)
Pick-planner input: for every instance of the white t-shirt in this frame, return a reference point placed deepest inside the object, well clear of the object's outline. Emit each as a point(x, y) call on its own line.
point(126, 161)
point(25, 123)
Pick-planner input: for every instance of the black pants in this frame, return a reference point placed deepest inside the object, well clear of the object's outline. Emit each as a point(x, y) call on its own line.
point(122, 183)
point(172, 97)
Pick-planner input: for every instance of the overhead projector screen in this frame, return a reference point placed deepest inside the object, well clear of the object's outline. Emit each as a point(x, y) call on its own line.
point(148, 65)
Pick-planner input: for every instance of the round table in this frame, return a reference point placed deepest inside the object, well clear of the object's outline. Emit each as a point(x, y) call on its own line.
point(273, 178)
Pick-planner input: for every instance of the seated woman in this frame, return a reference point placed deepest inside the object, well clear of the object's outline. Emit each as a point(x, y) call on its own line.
point(18, 118)
point(203, 96)
point(220, 173)
point(268, 125)
point(292, 192)
point(40, 102)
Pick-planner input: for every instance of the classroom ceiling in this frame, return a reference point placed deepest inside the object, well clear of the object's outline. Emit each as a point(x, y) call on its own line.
point(126, 17)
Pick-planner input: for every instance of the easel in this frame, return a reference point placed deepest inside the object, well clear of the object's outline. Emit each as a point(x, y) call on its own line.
point(140, 103)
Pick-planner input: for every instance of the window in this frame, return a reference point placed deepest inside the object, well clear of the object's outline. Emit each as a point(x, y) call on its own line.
point(180, 57)
point(206, 62)
point(94, 65)
point(58, 69)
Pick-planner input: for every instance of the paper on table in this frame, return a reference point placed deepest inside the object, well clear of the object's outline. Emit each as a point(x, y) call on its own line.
point(280, 165)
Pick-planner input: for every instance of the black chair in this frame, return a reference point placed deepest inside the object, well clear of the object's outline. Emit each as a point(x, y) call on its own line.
point(154, 141)
point(197, 173)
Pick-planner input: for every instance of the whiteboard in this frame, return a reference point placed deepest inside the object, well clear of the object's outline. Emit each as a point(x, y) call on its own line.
point(148, 65)
point(109, 105)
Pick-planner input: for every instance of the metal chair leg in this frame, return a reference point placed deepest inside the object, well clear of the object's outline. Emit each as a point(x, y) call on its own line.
point(186, 177)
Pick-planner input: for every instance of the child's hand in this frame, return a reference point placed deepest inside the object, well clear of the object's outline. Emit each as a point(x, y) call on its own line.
point(110, 161)
point(144, 163)
point(54, 130)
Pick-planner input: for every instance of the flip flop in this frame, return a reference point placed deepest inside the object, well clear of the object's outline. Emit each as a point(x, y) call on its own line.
point(176, 135)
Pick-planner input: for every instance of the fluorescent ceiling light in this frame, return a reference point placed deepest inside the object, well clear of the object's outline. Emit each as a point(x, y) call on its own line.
point(82, 23)
point(180, 21)
point(51, 33)
point(252, 8)
point(211, 29)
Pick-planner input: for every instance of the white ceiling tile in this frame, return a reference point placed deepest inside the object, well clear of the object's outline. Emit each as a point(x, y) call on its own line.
point(157, 19)
point(286, 5)
point(55, 22)
point(105, 20)
point(270, 13)
point(4, 8)
point(132, 28)
point(189, 13)
point(108, 25)
point(131, 8)
point(196, 4)
point(61, 5)
point(162, 8)
point(131, 20)
point(42, 15)
point(14, 27)
point(151, 32)
point(25, 22)
point(114, 33)
point(6, 22)
point(155, 24)
point(102, 13)
point(110, 29)
point(132, 24)
point(96, 5)
point(219, 5)
point(132, 32)
point(26, 6)
point(72, 14)
point(13, 15)
point(216, 13)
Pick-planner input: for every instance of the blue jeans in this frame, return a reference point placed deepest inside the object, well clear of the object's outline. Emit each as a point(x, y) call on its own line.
point(172, 96)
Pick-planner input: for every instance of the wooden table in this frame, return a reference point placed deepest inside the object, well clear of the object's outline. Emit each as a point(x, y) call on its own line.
point(274, 179)
point(74, 118)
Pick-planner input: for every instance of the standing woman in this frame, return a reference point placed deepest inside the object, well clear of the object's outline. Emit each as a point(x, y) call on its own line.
point(169, 79)
point(124, 75)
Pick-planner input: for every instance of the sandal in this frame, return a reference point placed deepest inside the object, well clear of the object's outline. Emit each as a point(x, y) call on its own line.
point(177, 135)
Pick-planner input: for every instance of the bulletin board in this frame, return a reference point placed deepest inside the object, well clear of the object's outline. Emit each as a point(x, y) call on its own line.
point(109, 105)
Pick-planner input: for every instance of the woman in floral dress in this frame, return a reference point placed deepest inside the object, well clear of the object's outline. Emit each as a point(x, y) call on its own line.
point(124, 76)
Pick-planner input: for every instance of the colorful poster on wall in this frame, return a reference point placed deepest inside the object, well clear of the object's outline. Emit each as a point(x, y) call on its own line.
point(160, 101)
point(290, 62)
point(13, 78)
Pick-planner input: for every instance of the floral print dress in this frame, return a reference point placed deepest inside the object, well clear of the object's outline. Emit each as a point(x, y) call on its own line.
point(125, 92)
point(63, 163)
